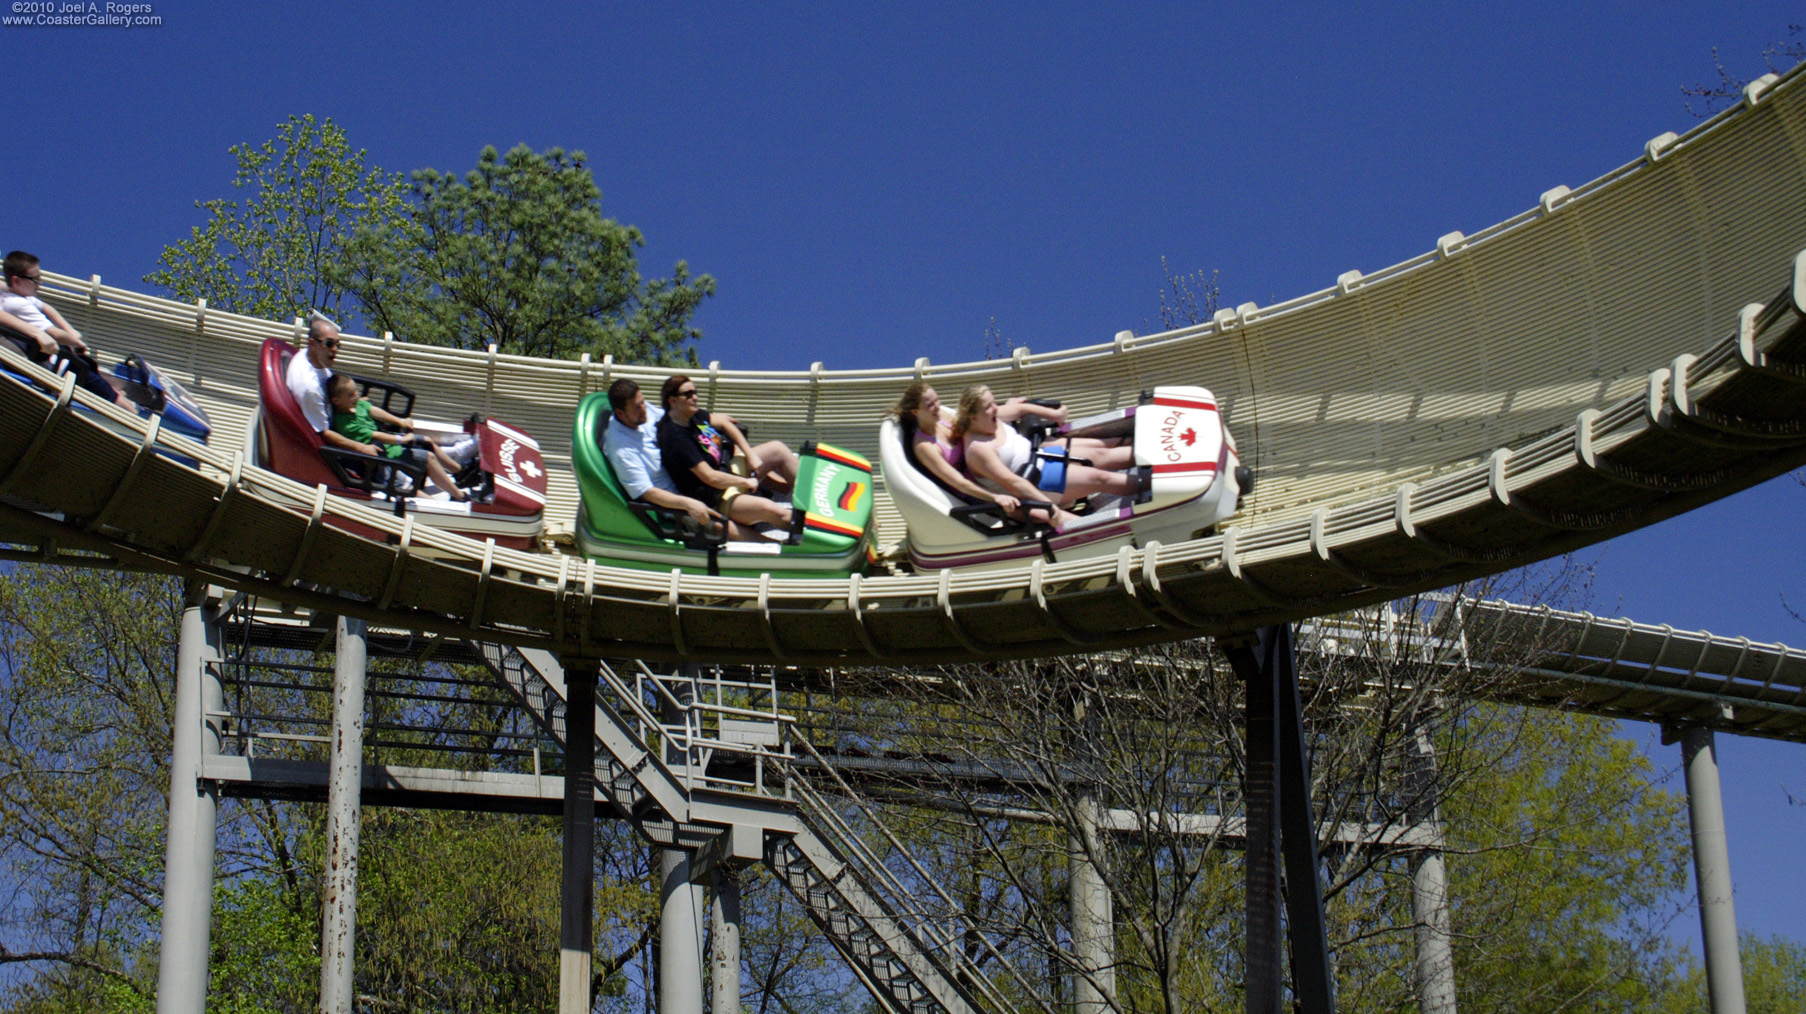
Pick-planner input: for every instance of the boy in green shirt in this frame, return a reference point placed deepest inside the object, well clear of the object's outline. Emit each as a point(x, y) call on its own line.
point(356, 418)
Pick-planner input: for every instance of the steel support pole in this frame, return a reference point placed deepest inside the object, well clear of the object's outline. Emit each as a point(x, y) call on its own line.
point(1312, 977)
point(1430, 891)
point(576, 945)
point(1089, 904)
point(344, 789)
point(724, 942)
point(1430, 912)
point(679, 936)
point(1712, 870)
point(1262, 964)
point(680, 898)
point(1280, 826)
point(193, 806)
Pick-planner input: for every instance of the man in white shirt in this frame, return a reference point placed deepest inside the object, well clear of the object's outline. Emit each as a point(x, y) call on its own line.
point(22, 311)
point(631, 444)
point(307, 376)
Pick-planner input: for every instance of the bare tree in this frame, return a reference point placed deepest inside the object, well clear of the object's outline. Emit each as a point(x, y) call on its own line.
point(1728, 88)
point(1009, 780)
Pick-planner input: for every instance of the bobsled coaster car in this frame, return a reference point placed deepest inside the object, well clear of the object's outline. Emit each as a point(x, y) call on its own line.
point(507, 479)
point(150, 391)
point(1190, 480)
point(829, 534)
point(157, 394)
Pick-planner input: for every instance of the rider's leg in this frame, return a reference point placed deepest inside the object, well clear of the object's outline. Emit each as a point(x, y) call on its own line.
point(775, 458)
point(1084, 480)
point(1109, 456)
point(748, 509)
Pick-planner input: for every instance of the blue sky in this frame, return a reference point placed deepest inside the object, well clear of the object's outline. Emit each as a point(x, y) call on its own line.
point(875, 186)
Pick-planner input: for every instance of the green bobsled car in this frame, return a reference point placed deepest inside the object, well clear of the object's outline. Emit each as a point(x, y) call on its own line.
point(831, 535)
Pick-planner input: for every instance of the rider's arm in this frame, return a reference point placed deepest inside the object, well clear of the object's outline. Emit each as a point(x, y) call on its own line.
point(631, 470)
point(388, 418)
point(928, 454)
point(715, 477)
point(697, 511)
point(982, 459)
point(46, 344)
point(343, 442)
point(60, 329)
point(730, 428)
point(634, 473)
point(1016, 408)
point(681, 454)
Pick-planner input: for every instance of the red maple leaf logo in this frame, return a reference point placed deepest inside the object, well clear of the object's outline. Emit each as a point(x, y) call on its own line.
point(1190, 436)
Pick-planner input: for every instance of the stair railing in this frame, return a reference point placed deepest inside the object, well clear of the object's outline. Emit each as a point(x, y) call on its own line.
point(944, 934)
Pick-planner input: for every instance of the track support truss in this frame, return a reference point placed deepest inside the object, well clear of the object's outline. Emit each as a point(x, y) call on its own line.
point(1277, 791)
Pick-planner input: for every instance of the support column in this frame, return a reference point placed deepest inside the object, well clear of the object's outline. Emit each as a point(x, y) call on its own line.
point(1261, 962)
point(1430, 888)
point(193, 805)
point(680, 899)
point(1430, 911)
point(679, 936)
point(344, 789)
point(1712, 871)
point(576, 944)
point(724, 942)
point(1091, 915)
point(1279, 825)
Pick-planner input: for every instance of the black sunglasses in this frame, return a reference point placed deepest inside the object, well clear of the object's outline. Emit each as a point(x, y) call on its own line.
point(331, 343)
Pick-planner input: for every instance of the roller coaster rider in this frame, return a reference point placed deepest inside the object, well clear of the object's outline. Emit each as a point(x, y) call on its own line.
point(1000, 458)
point(41, 333)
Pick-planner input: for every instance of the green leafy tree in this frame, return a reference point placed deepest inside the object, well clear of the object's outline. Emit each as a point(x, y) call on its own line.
point(458, 912)
point(1774, 979)
point(265, 956)
point(84, 659)
point(273, 255)
point(518, 254)
point(1568, 866)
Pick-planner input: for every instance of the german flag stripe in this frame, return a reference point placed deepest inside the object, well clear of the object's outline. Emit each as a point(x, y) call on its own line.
point(847, 458)
point(1186, 403)
point(1182, 467)
point(849, 497)
point(822, 524)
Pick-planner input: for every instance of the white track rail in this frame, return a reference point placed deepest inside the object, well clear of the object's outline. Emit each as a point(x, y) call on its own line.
point(1506, 397)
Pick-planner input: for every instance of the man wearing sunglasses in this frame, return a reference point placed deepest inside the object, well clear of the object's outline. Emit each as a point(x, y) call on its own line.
point(37, 322)
point(307, 377)
point(631, 444)
point(24, 312)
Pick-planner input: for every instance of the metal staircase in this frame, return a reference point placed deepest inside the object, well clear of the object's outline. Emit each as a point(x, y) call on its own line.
point(914, 948)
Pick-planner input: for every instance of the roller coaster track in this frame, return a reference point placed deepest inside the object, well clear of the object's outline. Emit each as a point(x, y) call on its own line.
point(1590, 366)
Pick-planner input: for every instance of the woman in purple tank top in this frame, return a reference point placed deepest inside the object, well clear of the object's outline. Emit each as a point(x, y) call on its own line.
point(927, 428)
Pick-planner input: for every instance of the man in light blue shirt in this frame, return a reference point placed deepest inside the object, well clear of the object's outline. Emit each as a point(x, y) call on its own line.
point(631, 444)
